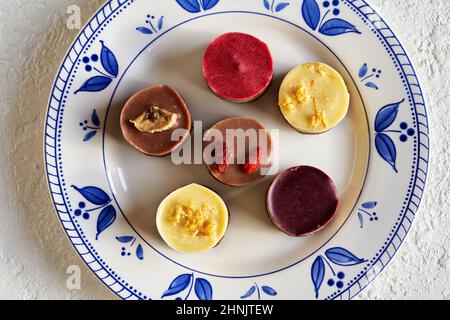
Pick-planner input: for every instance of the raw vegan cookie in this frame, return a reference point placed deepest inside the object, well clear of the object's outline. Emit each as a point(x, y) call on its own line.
point(192, 219)
point(238, 67)
point(313, 98)
point(150, 117)
point(240, 161)
point(302, 200)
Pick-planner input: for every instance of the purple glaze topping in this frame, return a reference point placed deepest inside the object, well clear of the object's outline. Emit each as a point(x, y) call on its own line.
point(302, 200)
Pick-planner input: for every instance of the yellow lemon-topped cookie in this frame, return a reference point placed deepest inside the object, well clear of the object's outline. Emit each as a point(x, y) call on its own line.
point(192, 219)
point(313, 98)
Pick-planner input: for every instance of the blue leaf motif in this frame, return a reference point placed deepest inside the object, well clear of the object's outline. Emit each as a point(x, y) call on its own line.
point(318, 274)
point(343, 257)
point(361, 219)
point(161, 23)
point(95, 84)
point(203, 289)
point(386, 116)
point(95, 119)
point(249, 293)
point(179, 284)
point(281, 6)
point(363, 70)
point(369, 205)
point(89, 136)
point(140, 252)
point(372, 85)
point(125, 239)
point(311, 13)
point(269, 291)
point(105, 219)
point(267, 4)
point(144, 30)
point(336, 27)
point(386, 148)
point(209, 4)
point(109, 61)
point(192, 6)
point(94, 195)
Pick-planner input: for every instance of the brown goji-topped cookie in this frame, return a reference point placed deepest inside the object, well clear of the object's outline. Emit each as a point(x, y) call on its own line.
point(239, 150)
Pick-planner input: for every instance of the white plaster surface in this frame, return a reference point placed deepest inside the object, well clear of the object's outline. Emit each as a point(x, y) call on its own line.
point(34, 252)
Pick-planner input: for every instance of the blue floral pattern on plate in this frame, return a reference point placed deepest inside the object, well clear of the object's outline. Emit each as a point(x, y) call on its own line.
point(196, 6)
point(92, 127)
point(364, 212)
point(102, 201)
point(383, 142)
point(365, 76)
point(103, 80)
point(337, 256)
point(269, 291)
point(130, 241)
point(274, 6)
point(313, 17)
point(151, 27)
point(185, 283)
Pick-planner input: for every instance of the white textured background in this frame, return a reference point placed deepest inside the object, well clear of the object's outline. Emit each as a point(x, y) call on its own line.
point(34, 252)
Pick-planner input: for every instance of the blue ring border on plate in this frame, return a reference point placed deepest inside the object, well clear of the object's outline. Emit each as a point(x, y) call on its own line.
point(112, 189)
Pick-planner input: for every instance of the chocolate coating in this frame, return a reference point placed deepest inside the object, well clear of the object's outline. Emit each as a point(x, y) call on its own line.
point(238, 67)
point(160, 143)
point(235, 176)
point(302, 200)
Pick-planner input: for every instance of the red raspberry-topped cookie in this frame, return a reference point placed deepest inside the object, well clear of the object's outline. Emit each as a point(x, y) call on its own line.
point(238, 67)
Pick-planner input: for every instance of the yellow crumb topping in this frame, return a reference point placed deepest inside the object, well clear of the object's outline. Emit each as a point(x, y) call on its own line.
point(195, 220)
point(301, 95)
point(319, 117)
point(288, 105)
point(296, 100)
point(317, 68)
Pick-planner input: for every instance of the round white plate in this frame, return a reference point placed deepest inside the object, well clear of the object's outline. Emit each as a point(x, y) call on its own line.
point(106, 193)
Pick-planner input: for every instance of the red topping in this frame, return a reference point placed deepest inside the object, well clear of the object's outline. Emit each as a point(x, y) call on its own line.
point(221, 162)
point(253, 163)
point(238, 67)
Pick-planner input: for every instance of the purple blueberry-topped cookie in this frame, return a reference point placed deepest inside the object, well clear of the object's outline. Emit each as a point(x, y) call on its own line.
point(302, 201)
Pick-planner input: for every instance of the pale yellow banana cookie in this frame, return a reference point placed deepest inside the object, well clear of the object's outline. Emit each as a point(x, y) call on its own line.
point(192, 219)
point(313, 98)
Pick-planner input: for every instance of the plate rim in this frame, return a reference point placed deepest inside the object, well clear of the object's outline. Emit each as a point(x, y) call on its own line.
point(85, 253)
